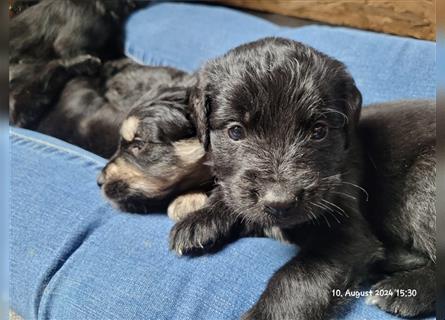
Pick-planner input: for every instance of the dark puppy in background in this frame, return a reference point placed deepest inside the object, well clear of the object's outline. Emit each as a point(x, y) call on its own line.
point(34, 88)
point(90, 110)
point(53, 29)
point(279, 121)
point(83, 101)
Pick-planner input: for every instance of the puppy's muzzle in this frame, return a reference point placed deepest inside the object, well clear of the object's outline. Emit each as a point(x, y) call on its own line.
point(279, 209)
point(279, 201)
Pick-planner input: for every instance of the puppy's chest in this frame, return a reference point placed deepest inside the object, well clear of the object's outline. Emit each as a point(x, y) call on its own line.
point(297, 235)
point(301, 236)
point(277, 234)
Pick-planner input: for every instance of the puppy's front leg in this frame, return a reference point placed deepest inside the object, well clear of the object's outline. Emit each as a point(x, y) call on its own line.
point(204, 230)
point(303, 288)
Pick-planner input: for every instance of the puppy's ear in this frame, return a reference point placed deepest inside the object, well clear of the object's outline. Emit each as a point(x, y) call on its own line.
point(200, 105)
point(353, 107)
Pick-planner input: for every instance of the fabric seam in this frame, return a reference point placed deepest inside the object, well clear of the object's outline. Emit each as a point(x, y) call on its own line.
point(54, 146)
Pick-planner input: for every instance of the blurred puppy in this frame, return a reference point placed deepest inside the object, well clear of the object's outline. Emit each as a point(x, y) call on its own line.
point(54, 29)
point(34, 88)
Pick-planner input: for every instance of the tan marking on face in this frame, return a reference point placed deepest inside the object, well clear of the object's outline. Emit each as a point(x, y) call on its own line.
point(124, 169)
point(186, 204)
point(129, 128)
point(121, 170)
point(189, 151)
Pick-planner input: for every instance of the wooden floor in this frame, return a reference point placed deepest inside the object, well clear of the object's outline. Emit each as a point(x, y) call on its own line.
point(414, 18)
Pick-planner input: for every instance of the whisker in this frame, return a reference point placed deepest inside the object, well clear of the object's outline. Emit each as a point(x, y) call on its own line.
point(322, 212)
point(337, 175)
point(314, 217)
point(326, 219)
point(334, 216)
point(345, 194)
point(358, 187)
point(337, 212)
point(334, 205)
point(318, 205)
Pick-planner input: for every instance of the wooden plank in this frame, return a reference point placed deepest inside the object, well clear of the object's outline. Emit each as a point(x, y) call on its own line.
point(415, 18)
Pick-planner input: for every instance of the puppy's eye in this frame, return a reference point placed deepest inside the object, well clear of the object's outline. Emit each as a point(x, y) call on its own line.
point(236, 133)
point(319, 131)
point(136, 145)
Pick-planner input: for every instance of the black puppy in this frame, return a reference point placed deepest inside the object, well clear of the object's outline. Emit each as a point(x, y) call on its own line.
point(400, 169)
point(400, 144)
point(54, 29)
point(279, 120)
point(34, 88)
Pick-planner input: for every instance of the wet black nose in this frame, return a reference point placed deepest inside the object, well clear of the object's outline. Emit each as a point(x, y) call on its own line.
point(100, 180)
point(278, 209)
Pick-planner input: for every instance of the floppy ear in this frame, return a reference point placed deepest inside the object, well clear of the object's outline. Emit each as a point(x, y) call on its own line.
point(200, 105)
point(353, 107)
point(354, 99)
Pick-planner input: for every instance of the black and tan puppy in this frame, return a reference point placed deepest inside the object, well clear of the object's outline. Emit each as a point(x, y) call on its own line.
point(159, 156)
point(279, 121)
point(54, 29)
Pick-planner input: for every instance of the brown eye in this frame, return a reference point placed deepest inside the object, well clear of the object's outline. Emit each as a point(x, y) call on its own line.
point(236, 133)
point(319, 131)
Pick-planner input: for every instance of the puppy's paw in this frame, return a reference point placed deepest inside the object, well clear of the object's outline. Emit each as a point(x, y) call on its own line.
point(186, 204)
point(193, 236)
point(396, 303)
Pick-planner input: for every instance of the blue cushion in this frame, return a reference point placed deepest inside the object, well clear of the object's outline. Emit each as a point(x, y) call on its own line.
point(72, 256)
point(185, 36)
point(75, 257)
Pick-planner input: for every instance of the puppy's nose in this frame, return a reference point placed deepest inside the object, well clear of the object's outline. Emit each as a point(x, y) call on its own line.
point(100, 180)
point(278, 209)
point(278, 200)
